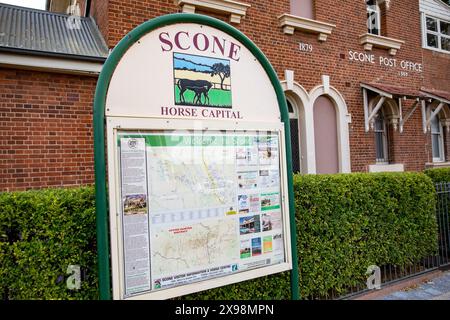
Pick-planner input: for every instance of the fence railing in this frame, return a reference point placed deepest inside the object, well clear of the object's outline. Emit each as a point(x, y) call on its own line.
point(392, 273)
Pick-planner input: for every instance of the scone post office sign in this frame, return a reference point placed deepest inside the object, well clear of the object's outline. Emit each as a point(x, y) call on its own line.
point(197, 140)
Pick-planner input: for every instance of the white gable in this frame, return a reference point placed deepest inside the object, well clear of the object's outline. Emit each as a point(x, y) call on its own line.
point(435, 8)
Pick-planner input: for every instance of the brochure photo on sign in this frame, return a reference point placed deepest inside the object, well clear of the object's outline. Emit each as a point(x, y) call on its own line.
point(201, 81)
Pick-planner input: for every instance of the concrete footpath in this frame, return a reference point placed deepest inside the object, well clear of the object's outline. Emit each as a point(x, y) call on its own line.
point(437, 288)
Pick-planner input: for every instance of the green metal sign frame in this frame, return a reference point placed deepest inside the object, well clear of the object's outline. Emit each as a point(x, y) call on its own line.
point(99, 135)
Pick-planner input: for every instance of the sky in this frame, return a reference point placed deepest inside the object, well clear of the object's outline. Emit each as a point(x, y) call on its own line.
point(36, 4)
point(198, 63)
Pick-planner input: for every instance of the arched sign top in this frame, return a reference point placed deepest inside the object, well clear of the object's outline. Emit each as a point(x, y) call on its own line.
point(189, 67)
point(202, 73)
point(229, 49)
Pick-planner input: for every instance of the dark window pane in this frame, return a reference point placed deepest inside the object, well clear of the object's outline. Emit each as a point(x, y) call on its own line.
point(370, 2)
point(435, 128)
point(374, 30)
point(379, 124)
point(432, 40)
point(379, 146)
point(445, 43)
point(431, 24)
point(445, 28)
point(290, 108)
point(372, 22)
point(436, 146)
point(295, 146)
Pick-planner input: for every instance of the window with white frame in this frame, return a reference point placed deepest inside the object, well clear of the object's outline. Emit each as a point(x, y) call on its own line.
point(373, 17)
point(381, 138)
point(436, 34)
point(437, 139)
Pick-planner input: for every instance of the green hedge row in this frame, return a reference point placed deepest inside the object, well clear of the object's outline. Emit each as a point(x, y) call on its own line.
point(41, 234)
point(345, 223)
point(439, 174)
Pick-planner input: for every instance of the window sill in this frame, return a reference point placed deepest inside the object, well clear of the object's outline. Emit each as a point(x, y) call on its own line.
point(236, 10)
point(436, 50)
point(290, 23)
point(398, 167)
point(442, 164)
point(372, 40)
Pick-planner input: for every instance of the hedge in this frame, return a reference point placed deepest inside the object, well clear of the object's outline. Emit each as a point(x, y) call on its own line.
point(345, 223)
point(41, 234)
point(439, 174)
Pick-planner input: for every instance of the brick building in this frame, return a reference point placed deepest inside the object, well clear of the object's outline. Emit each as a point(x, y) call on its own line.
point(367, 81)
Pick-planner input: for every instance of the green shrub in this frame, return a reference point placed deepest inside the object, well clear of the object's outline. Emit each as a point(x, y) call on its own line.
point(42, 233)
point(345, 223)
point(439, 174)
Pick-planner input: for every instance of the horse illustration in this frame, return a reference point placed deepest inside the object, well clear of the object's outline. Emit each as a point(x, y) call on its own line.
point(199, 91)
point(199, 87)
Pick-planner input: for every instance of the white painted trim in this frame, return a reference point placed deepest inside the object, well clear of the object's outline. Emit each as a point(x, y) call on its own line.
point(236, 10)
point(71, 66)
point(434, 113)
point(369, 40)
point(380, 92)
point(377, 107)
point(398, 167)
point(289, 76)
point(290, 23)
point(435, 97)
point(342, 117)
point(441, 143)
point(424, 31)
point(326, 83)
point(444, 164)
point(306, 123)
point(424, 116)
point(435, 8)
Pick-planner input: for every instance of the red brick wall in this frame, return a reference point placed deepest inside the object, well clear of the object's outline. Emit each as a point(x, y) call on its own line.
point(55, 159)
point(99, 11)
point(45, 129)
point(437, 70)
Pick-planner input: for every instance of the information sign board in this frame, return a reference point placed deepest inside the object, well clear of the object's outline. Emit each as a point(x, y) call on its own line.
point(197, 137)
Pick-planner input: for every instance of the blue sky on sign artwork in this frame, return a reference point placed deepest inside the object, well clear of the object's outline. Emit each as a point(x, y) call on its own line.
point(197, 63)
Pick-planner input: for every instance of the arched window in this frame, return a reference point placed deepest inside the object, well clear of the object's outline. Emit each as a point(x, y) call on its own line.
point(373, 17)
point(295, 136)
point(437, 139)
point(326, 136)
point(381, 138)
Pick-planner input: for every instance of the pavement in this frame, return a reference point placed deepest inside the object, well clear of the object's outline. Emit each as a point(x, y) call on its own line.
point(436, 289)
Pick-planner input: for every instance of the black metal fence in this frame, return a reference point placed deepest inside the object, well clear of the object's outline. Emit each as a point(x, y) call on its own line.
point(392, 273)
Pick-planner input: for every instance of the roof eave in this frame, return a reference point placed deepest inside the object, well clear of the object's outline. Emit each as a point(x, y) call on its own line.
point(52, 54)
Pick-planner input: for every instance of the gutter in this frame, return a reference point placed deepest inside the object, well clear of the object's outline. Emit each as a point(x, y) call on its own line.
point(47, 63)
point(47, 54)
